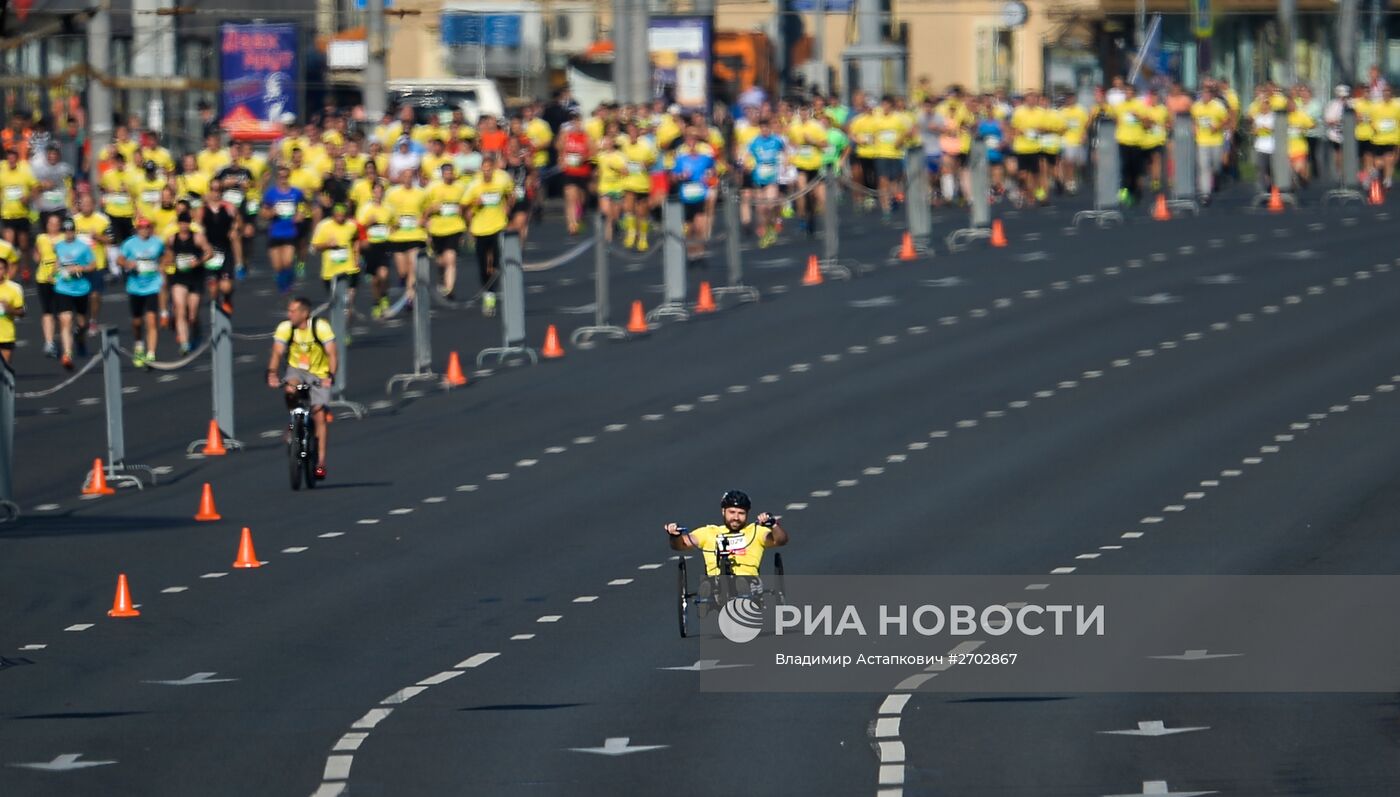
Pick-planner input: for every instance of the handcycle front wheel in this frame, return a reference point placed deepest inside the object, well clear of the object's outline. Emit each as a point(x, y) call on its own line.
point(780, 581)
point(683, 605)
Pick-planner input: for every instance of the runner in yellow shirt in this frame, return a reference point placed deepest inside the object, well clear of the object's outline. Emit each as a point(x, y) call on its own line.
point(46, 262)
point(1075, 154)
point(1128, 134)
point(1025, 145)
point(807, 137)
point(374, 218)
point(446, 223)
point(335, 238)
point(1385, 119)
point(406, 202)
point(17, 188)
point(612, 168)
point(488, 200)
point(1211, 116)
point(891, 132)
point(641, 155)
point(11, 308)
point(1299, 123)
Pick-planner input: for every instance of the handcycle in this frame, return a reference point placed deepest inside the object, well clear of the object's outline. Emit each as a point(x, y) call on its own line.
point(302, 444)
point(713, 592)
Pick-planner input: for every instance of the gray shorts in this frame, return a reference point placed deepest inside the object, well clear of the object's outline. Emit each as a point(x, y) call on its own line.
point(320, 392)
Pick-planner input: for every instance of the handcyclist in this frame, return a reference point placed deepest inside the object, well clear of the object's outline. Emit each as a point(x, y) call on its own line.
point(310, 349)
point(745, 541)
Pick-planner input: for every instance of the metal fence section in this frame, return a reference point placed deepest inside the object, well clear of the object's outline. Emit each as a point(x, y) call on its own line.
point(1348, 187)
point(422, 329)
point(339, 311)
point(9, 510)
point(118, 469)
point(512, 282)
point(602, 297)
point(220, 378)
point(673, 265)
point(734, 254)
point(1107, 174)
point(979, 204)
point(916, 200)
point(1183, 176)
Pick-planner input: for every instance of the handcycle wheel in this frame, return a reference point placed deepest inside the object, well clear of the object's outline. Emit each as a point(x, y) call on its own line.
point(294, 455)
point(683, 601)
point(780, 581)
point(308, 461)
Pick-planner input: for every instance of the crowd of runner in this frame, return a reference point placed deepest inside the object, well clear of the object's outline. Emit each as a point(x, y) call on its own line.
point(363, 200)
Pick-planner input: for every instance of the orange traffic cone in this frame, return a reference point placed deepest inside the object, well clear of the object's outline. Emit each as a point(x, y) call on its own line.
point(706, 302)
point(121, 604)
point(206, 505)
point(552, 350)
point(214, 442)
point(637, 324)
point(1377, 194)
point(246, 557)
point(814, 272)
point(906, 248)
point(97, 482)
point(1275, 201)
point(454, 377)
point(998, 234)
point(1159, 210)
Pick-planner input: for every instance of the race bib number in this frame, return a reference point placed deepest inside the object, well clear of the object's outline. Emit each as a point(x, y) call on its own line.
point(1050, 141)
point(735, 544)
point(1129, 119)
point(407, 222)
point(992, 142)
point(184, 262)
point(1073, 124)
point(117, 200)
point(573, 159)
point(807, 152)
point(146, 266)
point(1159, 132)
point(285, 209)
point(491, 199)
point(340, 256)
point(304, 361)
point(52, 198)
point(1032, 135)
point(888, 136)
point(215, 261)
point(1205, 123)
point(379, 233)
point(1385, 125)
point(635, 167)
point(693, 192)
point(150, 197)
point(251, 206)
point(449, 209)
point(234, 198)
point(14, 193)
point(519, 192)
point(1295, 132)
point(766, 171)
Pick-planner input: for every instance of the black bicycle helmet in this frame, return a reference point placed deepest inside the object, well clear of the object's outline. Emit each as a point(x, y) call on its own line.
point(737, 498)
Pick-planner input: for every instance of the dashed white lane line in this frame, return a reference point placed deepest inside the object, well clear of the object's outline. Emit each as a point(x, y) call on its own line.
point(338, 767)
point(527, 463)
point(403, 510)
point(892, 752)
point(872, 471)
point(1194, 496)
point(797, 507)
point(213, 575)
point(173, 590)
point(466, 488)
point(769, 379)
point(497, 477)
point(886, 727)
point(584, 440)
point(614, 427)
point(585, 599)
point(894, 704)
point(296, 549)
point(683, 408)
point(709, 398)
point(371, 718)
point(650, 566)
point(821, 493)
point(368, 521)
point(1037, 587)
point(550, 618)
point(848, 483)
point(895, 458)
point(737, 389)
point(79, 627)
point(918, 446)
point(1252, 460)
point(474, 661)
point(798, 368)
point(1174, 508)
point(440, 678)
point(966, 423)
point(45, 507)
point(403, 695)
point(1132, 535)
point(350, 741)
point(938, 433)
point(1088, 556)
point(1110, 547)
point(1230, 474)
point(555, 450)
point(1062, 571)
point(619, 582)
point(1018, 404)
point(522, 637)
point(330, 535)
point(1151, 519)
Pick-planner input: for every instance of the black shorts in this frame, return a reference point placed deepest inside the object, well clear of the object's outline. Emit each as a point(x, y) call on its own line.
point(526, 207)
point(141, 305)
point(8, 345)
point(746, 180)
point(47, 301)
point(352, 280)
point(579, 182)
point(273, 243)
point(303, 229)
point(222, 272)
point(889, 168)
point(20, 226)
point(446, 243)
point(407, 246)
point(70, 304)
point(812, 175)
point(378, 256)
point(122, 229)
point(1050, 158)
point(693, 209)
point(193, 280)
point(867, 167)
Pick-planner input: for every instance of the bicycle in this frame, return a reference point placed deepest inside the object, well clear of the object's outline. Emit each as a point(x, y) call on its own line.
point(302, 445)
point(714, 592)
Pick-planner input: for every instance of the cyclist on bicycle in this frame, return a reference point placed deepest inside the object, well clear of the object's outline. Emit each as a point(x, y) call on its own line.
point(312, 357)
point(745, 541)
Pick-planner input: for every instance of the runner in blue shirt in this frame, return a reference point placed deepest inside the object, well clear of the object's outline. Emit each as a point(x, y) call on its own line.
point(989, 131)
point(282, 204)
point(140, 257)
point(71, 288)
point(767, 151)
point(693, 173)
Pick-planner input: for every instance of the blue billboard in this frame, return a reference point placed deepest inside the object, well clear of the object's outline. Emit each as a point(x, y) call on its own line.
point(832, 6)
point(259, 69)
point(491, 30)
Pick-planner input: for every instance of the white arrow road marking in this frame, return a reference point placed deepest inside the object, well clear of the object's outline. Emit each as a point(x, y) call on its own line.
point(63, 763)
point(1155, 728)
point(704, 665)
point(194, 680)
point(1158, 788)
point(619, 745)
point(1196, 655)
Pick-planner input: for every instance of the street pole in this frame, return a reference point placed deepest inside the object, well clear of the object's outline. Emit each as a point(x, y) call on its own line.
point(819, 47)
point(99, 106)
point(1288, 23)
point(622, 10)
point(640, 55)
point(375, 94)
point(1348, 19)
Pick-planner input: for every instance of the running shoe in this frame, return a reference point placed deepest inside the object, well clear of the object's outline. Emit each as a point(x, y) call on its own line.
point(488, 304)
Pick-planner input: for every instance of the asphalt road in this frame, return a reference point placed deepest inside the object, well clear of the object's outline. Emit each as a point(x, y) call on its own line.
point(481, 587)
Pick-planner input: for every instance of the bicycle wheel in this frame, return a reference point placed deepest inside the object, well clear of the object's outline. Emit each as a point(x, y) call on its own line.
point(683, 608)
point(294, 454)
point(308, 462)
point(780, 581)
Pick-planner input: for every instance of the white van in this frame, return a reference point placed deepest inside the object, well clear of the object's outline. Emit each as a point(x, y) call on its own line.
point(474, 97)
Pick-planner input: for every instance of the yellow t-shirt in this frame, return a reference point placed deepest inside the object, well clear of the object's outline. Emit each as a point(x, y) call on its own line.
point(746, 545)
point(355, 164)
point(48, 258)
point(863, 135)
point(337, 245)
point(1076, 121)
point(809, 142)
point(308, 181)
point(1025, 126)
point(1052, 130)
point(449, 218)
point(375, 219)
point(193, 187)
point(956, 114)
point(211, 162)
point(406, 205)
point(890, 131)
point(1385, 121)
point(147, 193)
point(89, 228)
point(361, 192)
point(640, 156)
point(116, 194)
point(431, 165)
point(612, 167)
point(490, 202)
point(1364, 130)
point(1299, 123)
point(1211, 118)
point(1129, 117)
point(13, 297)
point(541, 135)
point(160, 156)
point(1154, 126)
point(306, 350)
point(16, 185)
